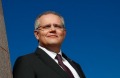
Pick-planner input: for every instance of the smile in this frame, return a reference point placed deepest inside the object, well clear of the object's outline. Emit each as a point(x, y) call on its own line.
point(52, 36)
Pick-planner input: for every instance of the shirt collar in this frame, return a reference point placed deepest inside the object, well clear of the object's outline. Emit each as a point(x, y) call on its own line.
point(50, 53)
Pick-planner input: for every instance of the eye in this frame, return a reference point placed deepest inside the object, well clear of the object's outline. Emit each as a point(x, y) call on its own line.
point(46, 26)
point(58, 26)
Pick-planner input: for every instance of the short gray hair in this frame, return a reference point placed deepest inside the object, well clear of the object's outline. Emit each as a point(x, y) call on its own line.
point(37, 24)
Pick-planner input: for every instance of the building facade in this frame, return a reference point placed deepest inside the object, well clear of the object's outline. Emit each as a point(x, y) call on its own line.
point(5, 66)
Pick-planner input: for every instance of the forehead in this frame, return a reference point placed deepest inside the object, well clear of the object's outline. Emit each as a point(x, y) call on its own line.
point(50, 14)
point(50, 18)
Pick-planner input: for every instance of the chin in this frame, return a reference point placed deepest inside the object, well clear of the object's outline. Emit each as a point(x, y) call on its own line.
point(53, 42)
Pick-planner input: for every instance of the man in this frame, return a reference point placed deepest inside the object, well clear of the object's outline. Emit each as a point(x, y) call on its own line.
point(48, 61)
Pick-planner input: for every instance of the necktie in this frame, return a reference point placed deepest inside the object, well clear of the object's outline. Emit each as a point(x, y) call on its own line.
point(66, 69)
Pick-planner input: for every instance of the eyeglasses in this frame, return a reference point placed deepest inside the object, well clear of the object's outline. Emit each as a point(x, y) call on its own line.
point(49, 27)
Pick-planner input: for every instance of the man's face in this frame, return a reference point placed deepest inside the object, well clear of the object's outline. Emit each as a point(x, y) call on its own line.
point(49, 32)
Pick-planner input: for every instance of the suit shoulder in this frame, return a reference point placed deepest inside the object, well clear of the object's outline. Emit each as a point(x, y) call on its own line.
point(76, 63)
point(25, 58)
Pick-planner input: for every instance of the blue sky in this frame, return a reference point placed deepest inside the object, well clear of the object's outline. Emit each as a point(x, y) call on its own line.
point(93, 32)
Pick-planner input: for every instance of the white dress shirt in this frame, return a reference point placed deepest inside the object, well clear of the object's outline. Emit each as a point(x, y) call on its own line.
point(53, 55)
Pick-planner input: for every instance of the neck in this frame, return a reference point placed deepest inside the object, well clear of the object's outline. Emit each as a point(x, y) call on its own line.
point(53, 48)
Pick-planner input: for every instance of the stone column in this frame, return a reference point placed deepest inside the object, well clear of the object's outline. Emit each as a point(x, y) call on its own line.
point(5, 67)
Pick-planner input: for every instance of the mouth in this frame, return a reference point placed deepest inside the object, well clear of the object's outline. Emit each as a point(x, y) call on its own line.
point(52, 36)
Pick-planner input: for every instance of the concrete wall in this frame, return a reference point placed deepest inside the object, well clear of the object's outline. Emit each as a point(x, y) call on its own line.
point(5, 67)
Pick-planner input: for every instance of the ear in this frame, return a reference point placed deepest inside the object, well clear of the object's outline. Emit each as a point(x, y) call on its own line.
point(36, 33)
point(64, 33)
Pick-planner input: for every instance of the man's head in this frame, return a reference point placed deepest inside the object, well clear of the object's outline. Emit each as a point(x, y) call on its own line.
point(49, 29)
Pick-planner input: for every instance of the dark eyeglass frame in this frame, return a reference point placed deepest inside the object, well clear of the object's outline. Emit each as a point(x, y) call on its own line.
point(48, 27)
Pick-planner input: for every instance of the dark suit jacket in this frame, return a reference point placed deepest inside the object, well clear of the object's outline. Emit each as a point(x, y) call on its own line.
point(41, 65)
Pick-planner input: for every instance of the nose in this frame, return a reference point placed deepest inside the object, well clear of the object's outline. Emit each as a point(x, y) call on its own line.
point(52, 28)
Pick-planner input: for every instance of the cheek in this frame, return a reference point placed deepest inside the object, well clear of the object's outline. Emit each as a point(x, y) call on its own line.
point(62, 35)
point(42, 36)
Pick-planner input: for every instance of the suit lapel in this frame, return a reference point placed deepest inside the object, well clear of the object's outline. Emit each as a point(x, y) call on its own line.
point(51, 63)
